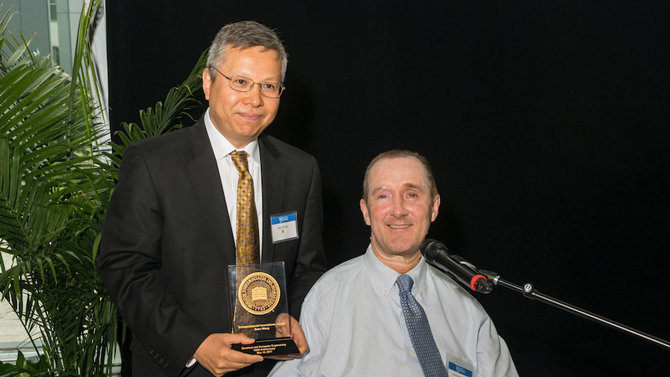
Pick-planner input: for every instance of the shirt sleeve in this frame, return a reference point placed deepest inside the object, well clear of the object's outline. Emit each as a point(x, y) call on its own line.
point(493, 356)
point(315, 321)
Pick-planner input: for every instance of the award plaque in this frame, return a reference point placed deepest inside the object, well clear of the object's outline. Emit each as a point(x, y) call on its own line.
point(260, 307)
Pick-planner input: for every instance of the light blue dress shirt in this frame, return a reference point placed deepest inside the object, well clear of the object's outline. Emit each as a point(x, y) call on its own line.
point(354, 325)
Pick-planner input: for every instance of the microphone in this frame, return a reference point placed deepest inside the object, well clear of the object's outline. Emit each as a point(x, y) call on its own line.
point(438, 255)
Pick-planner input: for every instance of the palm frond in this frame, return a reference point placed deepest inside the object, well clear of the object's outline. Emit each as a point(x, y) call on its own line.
point(168, 115)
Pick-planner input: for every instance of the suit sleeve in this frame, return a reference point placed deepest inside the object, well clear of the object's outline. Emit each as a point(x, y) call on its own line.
point(130, 266)
point(311, 258)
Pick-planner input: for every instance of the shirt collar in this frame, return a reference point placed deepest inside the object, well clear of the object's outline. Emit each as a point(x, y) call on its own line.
point(384, 276)
point(222, 147)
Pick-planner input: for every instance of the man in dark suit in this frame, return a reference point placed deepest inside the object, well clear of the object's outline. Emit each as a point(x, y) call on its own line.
point(171, 228)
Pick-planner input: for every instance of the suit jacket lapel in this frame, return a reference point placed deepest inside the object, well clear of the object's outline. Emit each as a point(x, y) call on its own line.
point(274, 187)
point(204, 174)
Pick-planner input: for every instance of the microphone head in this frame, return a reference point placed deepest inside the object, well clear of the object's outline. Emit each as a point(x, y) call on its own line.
point(430, 248)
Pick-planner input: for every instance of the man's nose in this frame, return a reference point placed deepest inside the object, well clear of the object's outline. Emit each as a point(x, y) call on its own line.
point(254, 96)
point(399, 207)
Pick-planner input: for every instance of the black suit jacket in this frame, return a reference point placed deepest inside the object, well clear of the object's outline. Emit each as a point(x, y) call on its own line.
point(167, 243)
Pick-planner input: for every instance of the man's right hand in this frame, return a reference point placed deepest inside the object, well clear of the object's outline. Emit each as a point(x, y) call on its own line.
point(215, 354)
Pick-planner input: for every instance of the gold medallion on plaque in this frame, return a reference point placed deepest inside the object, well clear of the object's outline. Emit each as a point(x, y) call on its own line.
point(259, 293)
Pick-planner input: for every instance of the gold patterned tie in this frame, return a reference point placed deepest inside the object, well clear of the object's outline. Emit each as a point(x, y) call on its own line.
point(247, 237)
point(247, 219)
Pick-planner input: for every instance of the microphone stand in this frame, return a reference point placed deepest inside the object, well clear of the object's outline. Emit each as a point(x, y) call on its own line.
point(529, 291)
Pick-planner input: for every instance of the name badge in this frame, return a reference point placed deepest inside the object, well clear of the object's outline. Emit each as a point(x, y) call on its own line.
point(284, 227)
point(456, 370)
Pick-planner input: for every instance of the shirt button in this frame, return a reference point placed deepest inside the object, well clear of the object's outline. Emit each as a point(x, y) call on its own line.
point(411, 352)
point(386, 291)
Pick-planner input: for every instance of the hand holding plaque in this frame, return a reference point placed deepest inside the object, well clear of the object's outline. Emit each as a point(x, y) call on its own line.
point(260, 308)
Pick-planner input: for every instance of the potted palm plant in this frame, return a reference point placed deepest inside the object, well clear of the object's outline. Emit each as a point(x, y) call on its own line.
point(57, 172)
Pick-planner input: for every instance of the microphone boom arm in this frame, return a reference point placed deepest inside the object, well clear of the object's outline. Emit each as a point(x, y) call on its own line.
point(529, 291)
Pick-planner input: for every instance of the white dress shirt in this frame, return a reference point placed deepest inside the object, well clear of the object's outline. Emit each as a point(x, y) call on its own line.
point(354, 325)
point(229, 174)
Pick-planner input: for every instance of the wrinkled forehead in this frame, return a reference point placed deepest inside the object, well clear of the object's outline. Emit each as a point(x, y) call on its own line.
point(399, 172)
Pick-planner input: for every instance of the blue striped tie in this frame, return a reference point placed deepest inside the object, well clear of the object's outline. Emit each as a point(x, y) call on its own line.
point(419, 330)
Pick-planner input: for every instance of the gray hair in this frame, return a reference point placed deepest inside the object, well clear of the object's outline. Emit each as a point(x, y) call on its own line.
point(245, 34)
point(399, 153)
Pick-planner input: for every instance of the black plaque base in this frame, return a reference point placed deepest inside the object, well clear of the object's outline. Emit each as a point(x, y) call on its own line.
point(269, 347)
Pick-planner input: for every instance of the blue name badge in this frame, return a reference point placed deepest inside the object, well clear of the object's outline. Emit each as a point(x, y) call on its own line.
point(458, 371)
point(284, 226)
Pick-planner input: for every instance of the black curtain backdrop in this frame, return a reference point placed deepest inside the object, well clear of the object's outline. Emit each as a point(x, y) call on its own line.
point(546, 124)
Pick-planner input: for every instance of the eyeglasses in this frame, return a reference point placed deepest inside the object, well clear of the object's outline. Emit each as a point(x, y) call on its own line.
point(245, 84)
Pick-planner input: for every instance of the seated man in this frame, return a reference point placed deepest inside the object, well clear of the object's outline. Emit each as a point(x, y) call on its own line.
point(388, 313)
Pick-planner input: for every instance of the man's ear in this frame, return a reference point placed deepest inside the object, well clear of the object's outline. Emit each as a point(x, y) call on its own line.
point(206, 82)
point(435, 208)
point(364, 210)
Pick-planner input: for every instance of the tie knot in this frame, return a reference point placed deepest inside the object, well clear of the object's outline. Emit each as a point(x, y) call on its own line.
point(240, 160)
point(405, 283)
